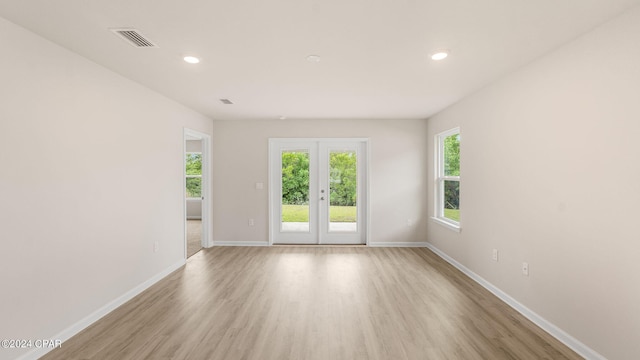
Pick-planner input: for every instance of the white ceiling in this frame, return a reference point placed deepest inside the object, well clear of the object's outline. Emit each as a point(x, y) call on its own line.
point(374, 53)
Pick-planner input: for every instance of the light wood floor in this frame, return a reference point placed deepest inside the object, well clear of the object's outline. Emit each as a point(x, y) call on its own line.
point(194, 237)
point(314, 303)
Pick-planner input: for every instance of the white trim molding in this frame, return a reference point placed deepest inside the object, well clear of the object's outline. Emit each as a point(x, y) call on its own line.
point(240, 243)
point(74, 329)
point(398, 244)
point(573, 343)
point(448, 225)
point(318, 150)
point(207, 204)
point(372, 244)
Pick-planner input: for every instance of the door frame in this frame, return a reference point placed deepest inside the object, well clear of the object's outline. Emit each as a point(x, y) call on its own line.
point(207, 229)
point(273, 146)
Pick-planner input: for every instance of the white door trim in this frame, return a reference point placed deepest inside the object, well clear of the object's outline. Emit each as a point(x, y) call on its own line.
point(327, 236)
point(207, 228)
point(298, 237)
point(276, 143)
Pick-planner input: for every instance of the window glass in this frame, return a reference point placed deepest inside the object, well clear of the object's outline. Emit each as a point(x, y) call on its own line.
point(193, 171)
point(452, 155)
point(194, 187)
point(452, 200)
point(343, 191)
point(194, 164)
point(295, 191)
point(447, 199)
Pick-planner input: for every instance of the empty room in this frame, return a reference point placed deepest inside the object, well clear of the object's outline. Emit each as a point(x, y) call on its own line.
point(413, 179)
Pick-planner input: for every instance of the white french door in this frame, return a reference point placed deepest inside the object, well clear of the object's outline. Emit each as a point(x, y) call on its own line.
point(318, 191)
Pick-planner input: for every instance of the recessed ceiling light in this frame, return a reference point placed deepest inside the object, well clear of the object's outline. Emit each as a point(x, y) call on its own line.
point(440, 55)
point(313, 58)
point(283, 118)
point(191, 59)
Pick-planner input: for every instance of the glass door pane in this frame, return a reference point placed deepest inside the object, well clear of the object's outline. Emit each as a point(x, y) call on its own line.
point(294, 202)
point(343, 191)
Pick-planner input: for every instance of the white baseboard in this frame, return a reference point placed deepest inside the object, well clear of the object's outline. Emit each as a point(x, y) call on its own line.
point(266, 243)
point(98, 314)
point(240, 243)
point(398, 244)
point(573, 343)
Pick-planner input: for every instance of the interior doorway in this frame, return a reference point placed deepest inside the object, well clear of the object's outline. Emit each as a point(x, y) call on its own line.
point(196, 191)
point(318, 191)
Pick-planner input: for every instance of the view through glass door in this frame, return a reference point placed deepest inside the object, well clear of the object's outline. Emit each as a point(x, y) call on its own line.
point(318, 191)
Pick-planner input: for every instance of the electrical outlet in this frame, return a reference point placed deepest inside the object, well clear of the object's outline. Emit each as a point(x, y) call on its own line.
point(525, 269)
point(409, 222)
point(259, 186)
point(494, 256)
point(251, 222)
point(156, 247)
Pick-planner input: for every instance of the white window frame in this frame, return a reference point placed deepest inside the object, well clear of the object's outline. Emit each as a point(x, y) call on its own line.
point(439, 180)
point(194, 176)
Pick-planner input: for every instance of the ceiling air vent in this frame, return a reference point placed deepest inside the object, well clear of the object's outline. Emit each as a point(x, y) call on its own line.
point(226, 101)
point(134, 37)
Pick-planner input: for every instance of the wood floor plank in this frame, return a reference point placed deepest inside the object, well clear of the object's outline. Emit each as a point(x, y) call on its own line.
point(314, 303)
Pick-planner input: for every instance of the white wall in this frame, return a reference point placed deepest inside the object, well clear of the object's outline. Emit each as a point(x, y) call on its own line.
point(78, 146)
point(397, 183)
point(550, 175)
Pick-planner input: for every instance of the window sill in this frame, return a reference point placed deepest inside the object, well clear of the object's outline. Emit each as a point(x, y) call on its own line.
point(447, 224)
